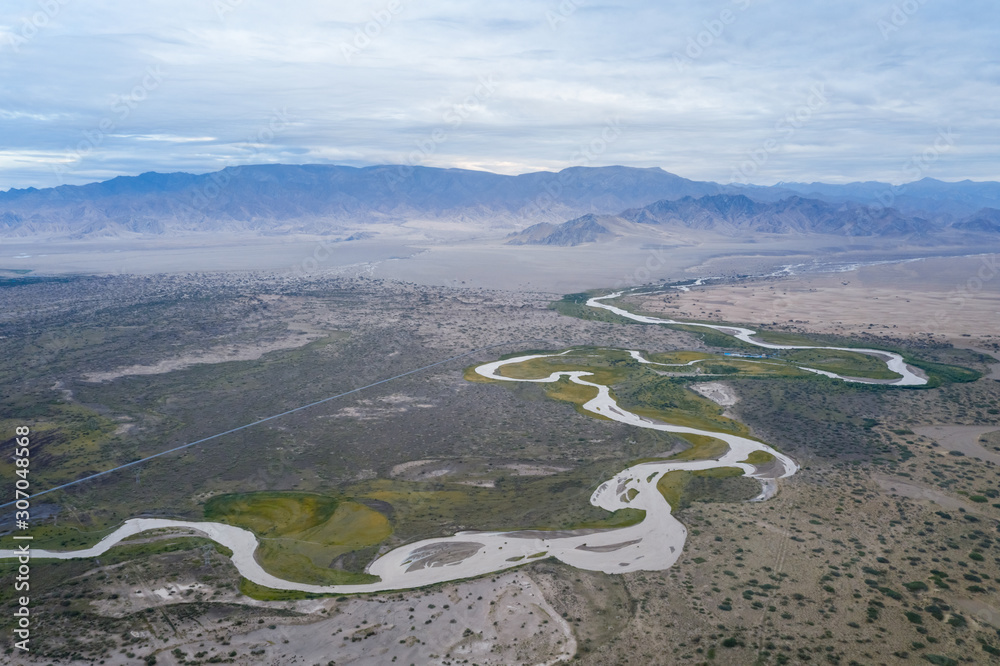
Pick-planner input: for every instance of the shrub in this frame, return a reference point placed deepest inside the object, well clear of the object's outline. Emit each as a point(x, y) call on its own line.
point(939, 660)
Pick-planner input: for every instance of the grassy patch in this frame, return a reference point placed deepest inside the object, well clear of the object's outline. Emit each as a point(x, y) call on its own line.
point(703, 448)
point(302, 535)
point(721, 484)
point(677, 356)
point(260, 593)
point(67, 440)
point(555, 502)
point(842, 363)
point(670, 401)
point(620, 518)
point(575, 305)
point(567, 391)
point(127, 551)
point(846, 364)
point(941, 374)
point(759, 458)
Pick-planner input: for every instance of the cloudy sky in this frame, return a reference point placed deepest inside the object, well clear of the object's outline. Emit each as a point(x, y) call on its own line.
point(749, 90)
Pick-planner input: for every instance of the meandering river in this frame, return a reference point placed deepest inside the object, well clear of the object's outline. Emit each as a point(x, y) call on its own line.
point(908, 375)
point(655, 543)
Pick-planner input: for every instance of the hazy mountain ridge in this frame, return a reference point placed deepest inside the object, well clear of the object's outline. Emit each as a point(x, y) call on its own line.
point(327, 199)
point(925, 196)
point(318, 199)
point(734, 215)
point(985, 220)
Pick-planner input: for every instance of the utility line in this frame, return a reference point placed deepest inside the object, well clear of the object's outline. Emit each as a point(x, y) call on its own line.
point(264, 420)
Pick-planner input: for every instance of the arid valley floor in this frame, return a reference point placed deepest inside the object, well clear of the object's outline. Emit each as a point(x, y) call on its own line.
point(882, 549)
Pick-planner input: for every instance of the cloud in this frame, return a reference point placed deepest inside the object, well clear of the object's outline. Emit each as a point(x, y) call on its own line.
point(697, 87)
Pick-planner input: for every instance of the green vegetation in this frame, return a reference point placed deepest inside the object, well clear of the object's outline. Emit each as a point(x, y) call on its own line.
point(722, 484)
point(73, 437)
point(940, 374)
point(556, 502)
point(843, 363)
point(575, 305)
point(939, 660)
point(301, 534)
point(261, 593)
point(759, 458)
point(670, 400)
point(703, 448)
point(635, 386)
point(846, 364)
point(837, 590)
point(717, 339)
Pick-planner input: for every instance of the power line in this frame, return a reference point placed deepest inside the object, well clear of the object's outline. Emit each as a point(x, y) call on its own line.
point(263, 420)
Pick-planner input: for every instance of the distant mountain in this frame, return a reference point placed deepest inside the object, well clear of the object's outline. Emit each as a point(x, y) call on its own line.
point(735, 215)
point(928, 196)
point(986, 220)
point(320, 198)
point(586, 229)
point(329, 199)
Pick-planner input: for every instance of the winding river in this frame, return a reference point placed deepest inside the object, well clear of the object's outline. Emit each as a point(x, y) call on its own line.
point(908, 375)
point(655, 543)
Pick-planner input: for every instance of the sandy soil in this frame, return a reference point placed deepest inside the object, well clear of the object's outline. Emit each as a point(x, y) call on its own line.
point(496, 621)
point(474, 471)
point(717, 392)
point(917, 491)
point(375, 410)
point(200, 253)
point(248, 352)
point(950, 297)
point(404, 467)
point(521, 469)
point(994, 370)
point(250, 345)
point(961, 438)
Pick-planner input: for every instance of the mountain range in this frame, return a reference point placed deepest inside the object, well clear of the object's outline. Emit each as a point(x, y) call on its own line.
point(328, 199)
point(734, 215)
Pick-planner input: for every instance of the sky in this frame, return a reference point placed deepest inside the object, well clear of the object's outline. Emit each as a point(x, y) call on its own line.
point(726, 90)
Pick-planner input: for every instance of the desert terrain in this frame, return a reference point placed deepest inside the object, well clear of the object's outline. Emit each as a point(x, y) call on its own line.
point(881, 548)
point(948, 297)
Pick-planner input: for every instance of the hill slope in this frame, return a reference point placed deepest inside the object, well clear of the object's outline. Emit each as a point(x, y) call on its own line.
point(328, 199)
point(319, 198)
point(735, 215)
